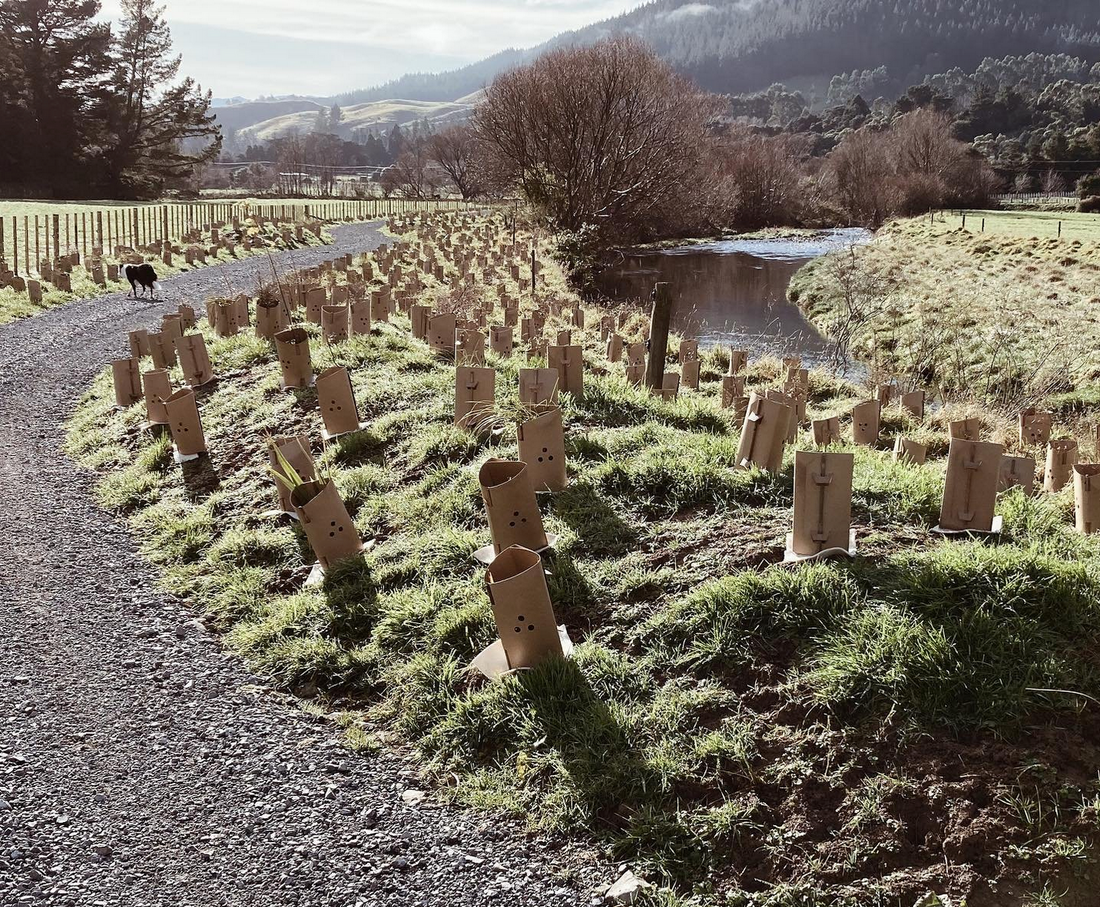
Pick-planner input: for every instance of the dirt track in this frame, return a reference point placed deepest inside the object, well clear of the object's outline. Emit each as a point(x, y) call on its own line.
point(141, 765)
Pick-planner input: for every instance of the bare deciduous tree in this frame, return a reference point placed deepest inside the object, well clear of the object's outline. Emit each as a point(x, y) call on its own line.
point(413, 175)
point(455, 151)
point(606, 137)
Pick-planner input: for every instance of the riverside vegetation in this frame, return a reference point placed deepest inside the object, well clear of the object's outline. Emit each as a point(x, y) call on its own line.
point(1008, 317)
point(742, 732)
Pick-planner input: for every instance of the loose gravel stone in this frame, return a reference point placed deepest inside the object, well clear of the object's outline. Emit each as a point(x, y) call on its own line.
point(189, 782)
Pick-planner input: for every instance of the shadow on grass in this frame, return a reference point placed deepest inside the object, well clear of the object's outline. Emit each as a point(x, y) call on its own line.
point(200, 478)
point(598, 527)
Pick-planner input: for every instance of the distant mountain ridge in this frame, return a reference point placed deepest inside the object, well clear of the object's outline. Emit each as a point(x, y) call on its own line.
point(735, 46)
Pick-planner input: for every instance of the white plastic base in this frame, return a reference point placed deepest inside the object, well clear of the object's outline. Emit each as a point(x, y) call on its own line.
point(488, 554)
point(998, 527)
point(183, 458)
point(316, 576)
point(312, 382)
point(790, 557)
point(325, 436)
point(493, 662)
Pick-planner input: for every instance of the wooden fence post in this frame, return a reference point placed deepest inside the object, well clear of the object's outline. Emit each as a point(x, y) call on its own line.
point(659, 322)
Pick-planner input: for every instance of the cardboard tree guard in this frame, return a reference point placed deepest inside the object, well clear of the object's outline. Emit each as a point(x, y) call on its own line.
point(359, 318)
point(334, 323)
point(475, 394)
point(1035, 428)
point(469, 347)
point(184, 423)
point(328, 526)
point(1061, 458)
point(614, 347)
point(139, 344)
point(271, 318)
point(441, 333)
point(826, 431)
point(500, 339)
point(524, 616)
point(295, 450)
point(689, 374)
point(670, 386)
point(568, 361)
point(511, 506)
point(688, 351)
point(1086, 498)
point(418, 320)
point(866, 419)
point(538, 385)
point(295, 365)
point(194, 360)
point(336, 398)
point(739, 360)
point(733, 389)
point(1017, 472)
point(158, 388)
point(764, 434)
point(162, 349)
point(822, 502)
point(913, 403)
point(970, 490)
point(635, 363)
point(969, 429)
point(315, 300)
point(380, 305)
point(127, 379)
point(909, 451)
point(542, 448)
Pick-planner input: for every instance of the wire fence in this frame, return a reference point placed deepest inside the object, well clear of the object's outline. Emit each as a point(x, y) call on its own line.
point(31, 243)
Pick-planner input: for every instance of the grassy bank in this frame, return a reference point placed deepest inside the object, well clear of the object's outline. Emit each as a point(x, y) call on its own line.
point(1010, 317)
point(751, 734)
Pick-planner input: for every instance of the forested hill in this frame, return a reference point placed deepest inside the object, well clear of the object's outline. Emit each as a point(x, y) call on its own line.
point(743, 45)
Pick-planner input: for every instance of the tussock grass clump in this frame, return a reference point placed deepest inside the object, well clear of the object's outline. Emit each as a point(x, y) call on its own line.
point(729, 725)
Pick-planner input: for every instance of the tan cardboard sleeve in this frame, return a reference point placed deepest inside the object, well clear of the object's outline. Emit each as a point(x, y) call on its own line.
point(522, 609)
point(326, 522)
point(822, 501)
point(970, 491)
point(184, 422)
point(542, 448)
point(511, 505)
point(337, 401)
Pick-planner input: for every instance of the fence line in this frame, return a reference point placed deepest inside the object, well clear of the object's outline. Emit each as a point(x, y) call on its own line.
point(33, 239)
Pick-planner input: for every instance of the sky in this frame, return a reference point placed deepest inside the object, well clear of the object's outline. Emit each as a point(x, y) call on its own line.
point(322, 47)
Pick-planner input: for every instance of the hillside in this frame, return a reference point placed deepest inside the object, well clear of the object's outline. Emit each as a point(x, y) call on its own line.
point(734, 46)
point(261, 121)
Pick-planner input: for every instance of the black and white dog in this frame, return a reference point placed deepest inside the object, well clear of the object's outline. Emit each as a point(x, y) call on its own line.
point(142, 275)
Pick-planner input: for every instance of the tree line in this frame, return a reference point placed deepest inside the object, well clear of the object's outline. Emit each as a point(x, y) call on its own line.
point(87, 109)
point(1035, 118)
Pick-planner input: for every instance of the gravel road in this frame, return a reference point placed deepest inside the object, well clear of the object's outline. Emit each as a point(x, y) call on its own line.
point(142, 765)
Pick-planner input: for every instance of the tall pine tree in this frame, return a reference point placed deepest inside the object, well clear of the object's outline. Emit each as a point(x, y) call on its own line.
point(161, 129)
point(54, 65)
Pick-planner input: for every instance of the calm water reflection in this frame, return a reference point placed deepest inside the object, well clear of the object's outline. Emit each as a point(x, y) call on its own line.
point(732, 292)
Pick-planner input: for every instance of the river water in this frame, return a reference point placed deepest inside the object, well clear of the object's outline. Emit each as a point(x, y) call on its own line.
point(733, 292)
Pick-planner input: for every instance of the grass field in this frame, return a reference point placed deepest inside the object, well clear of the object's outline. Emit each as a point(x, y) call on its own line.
point(749, 734)
point(1022, 224)
point(1010, 317)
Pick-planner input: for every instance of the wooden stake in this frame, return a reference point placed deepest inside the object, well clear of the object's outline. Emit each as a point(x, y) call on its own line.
point(659, 322)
